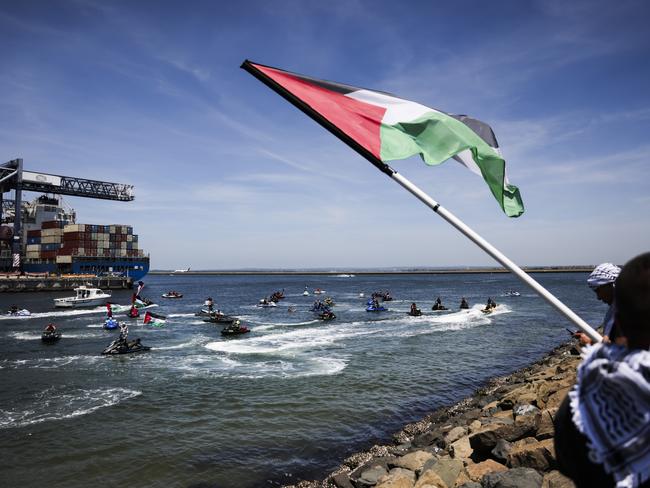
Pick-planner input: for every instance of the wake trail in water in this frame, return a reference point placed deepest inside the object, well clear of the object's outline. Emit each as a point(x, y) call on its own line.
point(51, 404)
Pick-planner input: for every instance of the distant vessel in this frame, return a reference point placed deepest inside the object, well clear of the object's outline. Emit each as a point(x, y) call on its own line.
point(182, 270)
point(54, 243)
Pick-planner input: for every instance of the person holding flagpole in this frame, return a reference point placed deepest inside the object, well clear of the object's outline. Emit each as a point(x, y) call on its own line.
point(602, 429)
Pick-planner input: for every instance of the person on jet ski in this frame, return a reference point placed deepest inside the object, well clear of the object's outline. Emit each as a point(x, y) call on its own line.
point(490, 304)
point(13, 309)
point(209, 303)
point(414, 309)
point(124, 333)
point(463, 303)
point(50, 328)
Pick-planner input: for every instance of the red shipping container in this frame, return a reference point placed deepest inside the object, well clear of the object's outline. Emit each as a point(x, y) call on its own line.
point(48, 254)
point(34, 233)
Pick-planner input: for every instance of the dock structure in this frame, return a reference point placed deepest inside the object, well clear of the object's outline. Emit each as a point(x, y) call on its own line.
point(13, 283)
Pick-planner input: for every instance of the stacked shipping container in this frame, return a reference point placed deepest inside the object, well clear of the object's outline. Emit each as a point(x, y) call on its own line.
point(58, 242)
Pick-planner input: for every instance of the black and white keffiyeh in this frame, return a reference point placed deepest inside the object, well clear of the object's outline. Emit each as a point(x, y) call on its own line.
point(603, 274)
point(611, 407)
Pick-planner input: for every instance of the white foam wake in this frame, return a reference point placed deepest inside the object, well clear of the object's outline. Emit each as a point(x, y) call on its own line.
point(53, 405)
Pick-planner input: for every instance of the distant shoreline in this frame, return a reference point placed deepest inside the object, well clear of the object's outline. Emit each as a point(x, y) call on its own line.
point(532, 269)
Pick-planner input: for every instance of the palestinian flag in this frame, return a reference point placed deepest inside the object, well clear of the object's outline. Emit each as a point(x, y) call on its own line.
point(153, 319)
point(383, 127)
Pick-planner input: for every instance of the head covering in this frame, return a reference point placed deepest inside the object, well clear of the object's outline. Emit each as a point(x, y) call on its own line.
point(611, 407)
point(603, 274)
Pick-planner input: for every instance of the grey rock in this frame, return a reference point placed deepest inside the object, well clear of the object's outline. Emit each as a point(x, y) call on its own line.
point(342, 480)
point(470, 484)
point(524, 409)
point(447, 469)
point(501, 450)
point(430, 438)
point(486, 439)
point(514, 478)
point(370, 476)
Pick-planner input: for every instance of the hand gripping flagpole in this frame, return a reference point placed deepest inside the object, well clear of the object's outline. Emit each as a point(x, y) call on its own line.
point(423, 197)
point(496, 254)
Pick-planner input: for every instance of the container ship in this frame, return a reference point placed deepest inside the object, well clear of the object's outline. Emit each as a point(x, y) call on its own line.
point(53, 242)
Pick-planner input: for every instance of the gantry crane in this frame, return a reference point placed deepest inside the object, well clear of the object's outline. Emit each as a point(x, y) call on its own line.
point(13, 177)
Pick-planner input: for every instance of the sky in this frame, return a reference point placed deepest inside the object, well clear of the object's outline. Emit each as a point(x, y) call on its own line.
point(228, 175)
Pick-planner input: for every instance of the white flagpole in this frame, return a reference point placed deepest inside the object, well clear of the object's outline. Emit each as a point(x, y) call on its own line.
point(496, 254)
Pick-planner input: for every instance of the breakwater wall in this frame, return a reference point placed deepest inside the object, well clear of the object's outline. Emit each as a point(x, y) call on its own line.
point(544, 269)
point(18, 284)
point(502, 436)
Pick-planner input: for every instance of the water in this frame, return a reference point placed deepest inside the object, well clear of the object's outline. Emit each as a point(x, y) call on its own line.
point(286, 402)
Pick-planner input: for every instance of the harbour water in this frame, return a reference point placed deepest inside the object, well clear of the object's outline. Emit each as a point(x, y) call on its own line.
point(288, 401)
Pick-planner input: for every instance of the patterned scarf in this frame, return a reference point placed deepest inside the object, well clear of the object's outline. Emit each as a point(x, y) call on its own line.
point(603, 274)
point(611, 407)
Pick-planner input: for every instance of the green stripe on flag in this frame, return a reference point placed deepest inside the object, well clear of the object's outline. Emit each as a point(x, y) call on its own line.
point(436, 137)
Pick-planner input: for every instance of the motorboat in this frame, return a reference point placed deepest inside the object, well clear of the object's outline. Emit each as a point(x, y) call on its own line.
point(123, 347)
point(172, 294)
point(85, 297)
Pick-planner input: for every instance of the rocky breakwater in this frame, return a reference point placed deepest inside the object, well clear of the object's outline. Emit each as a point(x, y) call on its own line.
point(501, 437)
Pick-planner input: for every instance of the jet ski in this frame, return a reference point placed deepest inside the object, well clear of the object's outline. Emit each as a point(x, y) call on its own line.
point(327, 315)
point(266, 303)
point(50, 336)
point(373, 306)
point(220, 319)
point(415, 313)
point(23, 312)
point(128, 347)
point(233, 330)
point(437, 307)
point(205, 312)
point(172, 294)
point(111, 324)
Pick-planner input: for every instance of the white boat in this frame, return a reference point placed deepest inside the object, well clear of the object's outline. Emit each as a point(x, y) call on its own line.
point(85, 297)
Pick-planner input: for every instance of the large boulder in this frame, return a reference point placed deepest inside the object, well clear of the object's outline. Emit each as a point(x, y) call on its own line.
point(539, 455)
point(397, 478)
point(342, 480)
point(446, 468)
point(555, 479)
point(413, 461)
point(513, 478)
point(429, 438)
point(369, 473)
point(454, 434)
point(544, 427)
point(478, 470)
point(486, 439)
point(461, 449)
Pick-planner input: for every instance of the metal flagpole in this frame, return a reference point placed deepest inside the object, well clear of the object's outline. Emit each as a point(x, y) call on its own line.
point(496, 254)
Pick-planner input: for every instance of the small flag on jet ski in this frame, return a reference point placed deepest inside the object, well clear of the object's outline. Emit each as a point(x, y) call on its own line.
point(383, 127)
point(154, 319)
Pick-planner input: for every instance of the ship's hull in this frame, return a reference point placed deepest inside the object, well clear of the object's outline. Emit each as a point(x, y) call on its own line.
point(132, 268)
